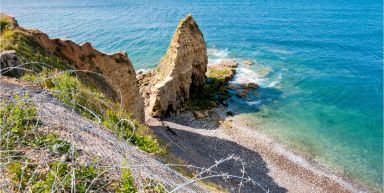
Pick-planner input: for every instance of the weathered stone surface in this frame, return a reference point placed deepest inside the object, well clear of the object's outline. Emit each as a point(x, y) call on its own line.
point(248, 62)
point(225, 70)
point(198, 115)
point(229, 63)
point(113, 74)
point(242, 93)
point(10, 63)
point(116, 69)
point(181, 72)
point(250, 85)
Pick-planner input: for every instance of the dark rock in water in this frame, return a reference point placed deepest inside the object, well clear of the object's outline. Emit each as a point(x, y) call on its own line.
point(252, 85)
point(10, 64)
point(229, 113)
point(242, 94)
point(249, 85)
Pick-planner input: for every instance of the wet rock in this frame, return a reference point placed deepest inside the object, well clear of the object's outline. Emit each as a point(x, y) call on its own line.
point(242, 94)
point(252, 85)
point(233, 86)
point(229, 113)
point(247, 62)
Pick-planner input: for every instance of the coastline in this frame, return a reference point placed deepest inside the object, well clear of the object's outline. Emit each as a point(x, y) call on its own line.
point(217, 136)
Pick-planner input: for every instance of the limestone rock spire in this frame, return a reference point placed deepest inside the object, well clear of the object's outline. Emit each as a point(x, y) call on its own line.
point(181, 71)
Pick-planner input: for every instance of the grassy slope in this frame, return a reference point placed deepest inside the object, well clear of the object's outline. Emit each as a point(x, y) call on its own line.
point(53, 74)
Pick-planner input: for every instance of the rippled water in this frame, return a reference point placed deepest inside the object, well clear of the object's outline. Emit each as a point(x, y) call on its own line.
point(319, 63)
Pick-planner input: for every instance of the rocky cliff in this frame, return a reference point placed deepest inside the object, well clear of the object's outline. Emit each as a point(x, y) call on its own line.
point(180, 73)
point(111, 73)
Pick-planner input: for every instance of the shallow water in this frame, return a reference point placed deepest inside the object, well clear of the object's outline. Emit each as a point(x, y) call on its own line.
point(319, 63)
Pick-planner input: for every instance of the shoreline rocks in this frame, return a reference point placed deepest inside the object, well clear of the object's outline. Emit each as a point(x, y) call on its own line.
point(248, 62)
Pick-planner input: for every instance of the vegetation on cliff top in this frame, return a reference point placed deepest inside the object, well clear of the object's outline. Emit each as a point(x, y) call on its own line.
point(22, 138)
point(55, 75)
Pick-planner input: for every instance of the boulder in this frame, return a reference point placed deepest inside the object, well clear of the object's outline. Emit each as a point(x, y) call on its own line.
point(229, 63)
point(10, 63)
point(198, 115)
point(247, 62)
point(242, 94)
point(181, 72)
point(252, 85)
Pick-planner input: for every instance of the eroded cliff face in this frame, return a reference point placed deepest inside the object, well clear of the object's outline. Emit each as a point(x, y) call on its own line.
point(181, 72)
point(113, 73)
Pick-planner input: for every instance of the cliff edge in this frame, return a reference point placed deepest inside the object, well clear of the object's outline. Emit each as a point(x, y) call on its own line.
point(113, 73)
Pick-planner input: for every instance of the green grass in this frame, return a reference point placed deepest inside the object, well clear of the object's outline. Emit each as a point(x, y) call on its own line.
point(29, 51)
point(49, 71)
point(4, 23)
point(91, 103)
point(20, 134)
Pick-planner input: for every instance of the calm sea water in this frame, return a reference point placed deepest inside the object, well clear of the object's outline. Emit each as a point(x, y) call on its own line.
point(319, 63)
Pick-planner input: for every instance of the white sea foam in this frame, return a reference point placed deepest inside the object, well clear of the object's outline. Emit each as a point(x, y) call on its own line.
point(253, 103)
point(277, 81)
point(245, 75)
point(215, 55)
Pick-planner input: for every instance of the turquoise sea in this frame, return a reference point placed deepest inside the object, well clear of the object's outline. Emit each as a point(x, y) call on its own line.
point(319, 63)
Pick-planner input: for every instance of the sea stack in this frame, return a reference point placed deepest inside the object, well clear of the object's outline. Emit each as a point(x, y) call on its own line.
point(181, 72)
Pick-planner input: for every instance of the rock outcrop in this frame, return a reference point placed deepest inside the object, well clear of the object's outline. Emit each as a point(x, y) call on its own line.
point(111, 73)
point(9, 63)
point(181, 72)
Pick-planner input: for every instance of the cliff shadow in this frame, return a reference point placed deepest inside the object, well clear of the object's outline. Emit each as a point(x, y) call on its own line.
point(203, 151)
point(233, 105)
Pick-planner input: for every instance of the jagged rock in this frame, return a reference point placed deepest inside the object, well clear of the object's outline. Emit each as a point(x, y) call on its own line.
point(116, 68)
point(181, 72)
point(198, 115)
point(242, 93)
point(225, 70)
point(113, 74)
point(229, 63)
point(248, 62)
point(205, 113)
point(10, 63)
point(250, 85)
